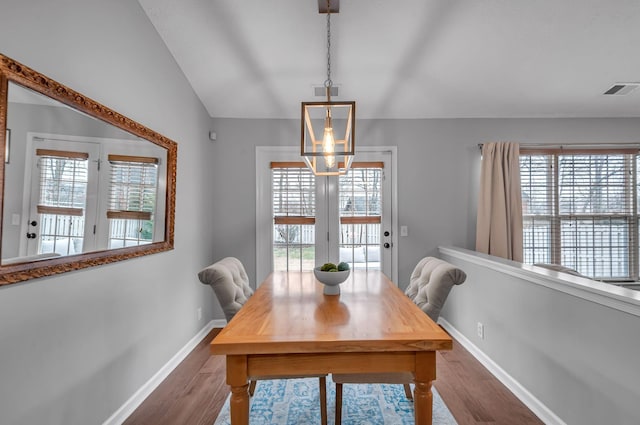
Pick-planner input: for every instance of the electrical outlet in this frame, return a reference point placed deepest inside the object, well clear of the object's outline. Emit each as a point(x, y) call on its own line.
point(199, 313)
point(480, 330)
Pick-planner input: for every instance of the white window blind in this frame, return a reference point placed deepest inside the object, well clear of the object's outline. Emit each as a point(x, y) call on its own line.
point(580, 210)
point(133, 187)
point(294, 216)
point(132, 199)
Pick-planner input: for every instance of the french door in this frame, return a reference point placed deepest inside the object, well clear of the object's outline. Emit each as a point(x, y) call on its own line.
point(303, 220)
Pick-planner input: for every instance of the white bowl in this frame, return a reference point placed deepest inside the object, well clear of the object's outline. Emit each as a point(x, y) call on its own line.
point(331, 280)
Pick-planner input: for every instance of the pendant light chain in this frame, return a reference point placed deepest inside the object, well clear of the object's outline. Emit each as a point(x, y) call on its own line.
point(328, 83)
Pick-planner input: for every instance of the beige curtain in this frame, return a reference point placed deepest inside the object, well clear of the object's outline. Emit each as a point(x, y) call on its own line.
point(499, 226)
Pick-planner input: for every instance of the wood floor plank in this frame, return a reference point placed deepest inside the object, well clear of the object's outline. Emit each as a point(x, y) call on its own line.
point(195, 391)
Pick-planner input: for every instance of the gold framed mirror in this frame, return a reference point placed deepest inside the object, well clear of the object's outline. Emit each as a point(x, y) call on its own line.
point(84, 186)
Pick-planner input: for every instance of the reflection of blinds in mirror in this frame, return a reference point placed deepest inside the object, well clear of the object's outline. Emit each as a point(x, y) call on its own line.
point(63, 181)
point(133, 187)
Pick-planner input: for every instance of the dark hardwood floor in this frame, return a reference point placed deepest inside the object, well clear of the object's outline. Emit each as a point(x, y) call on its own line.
point(195, 391)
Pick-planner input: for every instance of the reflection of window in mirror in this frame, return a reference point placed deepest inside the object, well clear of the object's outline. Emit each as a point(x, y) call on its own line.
point(59, 199)
point(84, 182)
point(132, 200)
point(83, 186)
point(86, 194)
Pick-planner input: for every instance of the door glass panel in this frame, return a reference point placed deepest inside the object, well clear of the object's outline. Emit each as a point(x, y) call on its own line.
point(294, 210)
point(294, 247)
point(62, 203)
point(360, 201)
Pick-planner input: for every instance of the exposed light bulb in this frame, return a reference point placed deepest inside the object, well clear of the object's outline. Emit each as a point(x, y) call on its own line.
point(330, 161)
point(328, 144)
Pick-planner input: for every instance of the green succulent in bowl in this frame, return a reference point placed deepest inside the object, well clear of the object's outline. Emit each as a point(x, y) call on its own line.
point(327, 267)
point(343, 266)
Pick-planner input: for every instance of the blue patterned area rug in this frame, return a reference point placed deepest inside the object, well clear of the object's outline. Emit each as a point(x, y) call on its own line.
point(297, 402)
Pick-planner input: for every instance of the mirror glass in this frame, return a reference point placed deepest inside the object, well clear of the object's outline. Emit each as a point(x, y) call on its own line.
point(82, 185)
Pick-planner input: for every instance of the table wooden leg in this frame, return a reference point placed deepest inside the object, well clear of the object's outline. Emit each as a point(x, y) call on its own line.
point(423, 398)
point(423, 403)
point(237, 379)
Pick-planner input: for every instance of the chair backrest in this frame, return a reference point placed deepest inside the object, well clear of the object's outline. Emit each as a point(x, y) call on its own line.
point(230, 283)
point(430, 284)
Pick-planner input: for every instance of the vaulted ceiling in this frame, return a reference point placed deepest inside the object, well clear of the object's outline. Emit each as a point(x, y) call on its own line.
point(408, 58)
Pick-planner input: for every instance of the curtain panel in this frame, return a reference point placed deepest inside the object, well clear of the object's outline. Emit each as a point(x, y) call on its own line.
point(499, 221)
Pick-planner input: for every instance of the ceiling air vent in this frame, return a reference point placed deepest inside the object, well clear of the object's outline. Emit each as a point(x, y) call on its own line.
point(622, 89)
point(321, 91)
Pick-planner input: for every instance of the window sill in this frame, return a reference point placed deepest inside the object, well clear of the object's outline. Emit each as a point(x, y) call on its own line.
point(610, 295)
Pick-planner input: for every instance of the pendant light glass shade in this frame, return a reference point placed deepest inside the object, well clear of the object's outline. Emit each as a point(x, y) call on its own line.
point(328, 136)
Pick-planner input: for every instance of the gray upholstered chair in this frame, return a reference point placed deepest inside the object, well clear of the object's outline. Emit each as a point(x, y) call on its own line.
point(429, 287)
point(230, 283)
point(430, 284)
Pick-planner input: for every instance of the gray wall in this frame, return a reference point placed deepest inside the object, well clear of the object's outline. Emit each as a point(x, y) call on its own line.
point(75, 347)
point(578, 357)
point(438, 171)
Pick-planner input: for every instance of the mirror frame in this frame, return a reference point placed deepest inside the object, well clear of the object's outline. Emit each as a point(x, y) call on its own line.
point(11, 70)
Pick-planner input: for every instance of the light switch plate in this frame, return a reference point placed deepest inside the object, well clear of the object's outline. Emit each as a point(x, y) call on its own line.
point(404, 231)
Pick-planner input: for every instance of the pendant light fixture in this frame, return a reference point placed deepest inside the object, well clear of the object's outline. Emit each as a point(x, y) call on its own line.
point(328, 128)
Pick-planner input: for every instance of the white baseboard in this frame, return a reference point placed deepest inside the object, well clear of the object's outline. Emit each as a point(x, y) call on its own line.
point(143, 392)
point(535, 405)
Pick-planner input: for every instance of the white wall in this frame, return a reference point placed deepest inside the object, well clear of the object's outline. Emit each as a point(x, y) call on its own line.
point(577, 357)
point(75, 347)
point(438, 170)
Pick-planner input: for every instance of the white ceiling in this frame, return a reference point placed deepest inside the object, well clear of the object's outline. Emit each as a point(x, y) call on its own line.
point(408, 58)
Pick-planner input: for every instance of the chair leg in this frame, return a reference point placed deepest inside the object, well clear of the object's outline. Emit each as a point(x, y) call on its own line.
point(323, 400)
point(338, 404)
point(407, 391)
point(252, 387)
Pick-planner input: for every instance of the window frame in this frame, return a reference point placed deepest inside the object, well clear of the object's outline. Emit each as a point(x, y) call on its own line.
point(556, 218)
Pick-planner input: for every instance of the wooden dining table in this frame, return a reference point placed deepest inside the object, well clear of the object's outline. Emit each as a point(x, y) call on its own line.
point(289, 327)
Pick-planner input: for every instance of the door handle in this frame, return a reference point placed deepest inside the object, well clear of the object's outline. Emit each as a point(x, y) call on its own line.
point(31, 235)
point(33, 223)
point(387, 245)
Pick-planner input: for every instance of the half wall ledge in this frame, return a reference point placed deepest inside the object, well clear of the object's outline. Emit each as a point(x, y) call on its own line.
point(616, 297)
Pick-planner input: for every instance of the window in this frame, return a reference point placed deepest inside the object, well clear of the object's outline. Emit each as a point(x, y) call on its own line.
point(132, 200)
point(294, 216)
point(580, 209)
